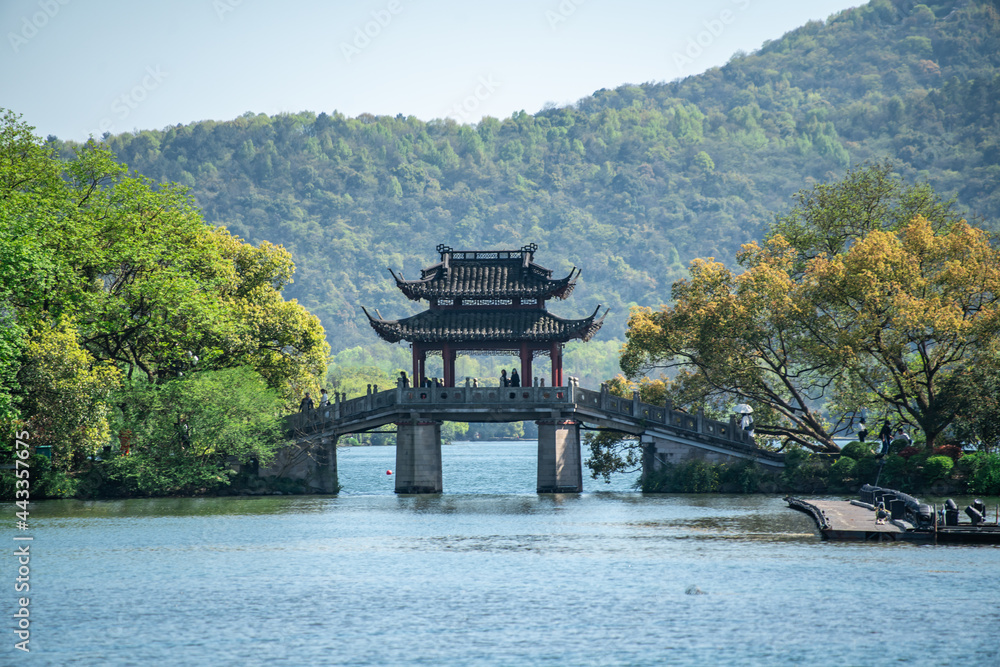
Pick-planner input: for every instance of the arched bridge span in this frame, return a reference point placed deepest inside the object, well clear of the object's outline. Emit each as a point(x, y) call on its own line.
point(667, 434)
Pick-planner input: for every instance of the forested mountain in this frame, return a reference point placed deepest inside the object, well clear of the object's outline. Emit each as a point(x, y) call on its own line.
point(628, 184)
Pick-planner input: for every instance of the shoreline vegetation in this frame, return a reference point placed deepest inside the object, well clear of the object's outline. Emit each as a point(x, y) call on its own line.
point(945, 471)
point(915, 470)
point(150, 351)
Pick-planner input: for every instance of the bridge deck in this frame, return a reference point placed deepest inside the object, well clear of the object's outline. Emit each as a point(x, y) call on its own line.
point(503, 404)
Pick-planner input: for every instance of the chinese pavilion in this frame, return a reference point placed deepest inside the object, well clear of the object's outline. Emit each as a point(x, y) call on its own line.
point(486, 302)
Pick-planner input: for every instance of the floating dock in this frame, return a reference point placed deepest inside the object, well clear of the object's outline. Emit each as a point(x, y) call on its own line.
point(855, 521)
point(843, 520)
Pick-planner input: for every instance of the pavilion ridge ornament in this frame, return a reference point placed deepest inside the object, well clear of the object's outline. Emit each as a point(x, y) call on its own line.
point(486, 302)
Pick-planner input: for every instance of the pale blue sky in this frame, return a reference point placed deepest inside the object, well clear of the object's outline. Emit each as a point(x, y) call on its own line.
point(76, 67)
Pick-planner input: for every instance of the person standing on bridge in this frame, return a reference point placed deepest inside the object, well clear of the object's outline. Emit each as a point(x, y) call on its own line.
point(306, 404)
point(405, 381)
point(504, 382)
point(515, 379)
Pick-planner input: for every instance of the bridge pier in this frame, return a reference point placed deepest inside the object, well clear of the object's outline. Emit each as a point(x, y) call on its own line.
point(560, 466)
point(312, 463)
point(418, 457)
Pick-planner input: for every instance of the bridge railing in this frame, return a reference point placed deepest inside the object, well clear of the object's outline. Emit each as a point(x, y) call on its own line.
point(603, 401)
point(483, 395)
point(661, 414)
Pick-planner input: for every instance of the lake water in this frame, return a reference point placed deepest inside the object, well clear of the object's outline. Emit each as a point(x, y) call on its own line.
point(488, 573)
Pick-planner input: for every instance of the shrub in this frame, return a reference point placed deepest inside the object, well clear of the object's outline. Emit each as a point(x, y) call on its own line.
point(805, 472)
point(898, 445)
point(143, 475)
point(907, 452)
point(866, 469)
point(937, 467)
point(745, 476)
point(685, 477)
point(47, 481)
point(894, 471)
point(843, 469)
point(983, 473)
point(857, 450)
point(954, 452)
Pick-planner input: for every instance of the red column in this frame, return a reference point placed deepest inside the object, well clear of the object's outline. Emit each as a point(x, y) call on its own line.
point(555, 354)
point(525, 365)
point(421, 362)
point(448, 363)
point(415, 378)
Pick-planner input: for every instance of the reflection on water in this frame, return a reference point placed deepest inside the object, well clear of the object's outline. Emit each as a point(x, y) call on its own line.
point(490, 573)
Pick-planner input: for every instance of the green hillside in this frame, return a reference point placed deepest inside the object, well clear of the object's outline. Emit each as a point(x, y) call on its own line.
point(628, 184)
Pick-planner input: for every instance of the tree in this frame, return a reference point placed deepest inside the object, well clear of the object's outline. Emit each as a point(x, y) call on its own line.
point(830, 216)
point(66, 394)
point(145, 279)
point(975, 400)
point(180, 432)
point(103, 274)
point(863, 308)
point(740, 338)
point(906, 313)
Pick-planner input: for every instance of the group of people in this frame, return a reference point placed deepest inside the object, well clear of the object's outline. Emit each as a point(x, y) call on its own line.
point(307, 402)
point(513, 381)
point(404, 381)
point(885, 436)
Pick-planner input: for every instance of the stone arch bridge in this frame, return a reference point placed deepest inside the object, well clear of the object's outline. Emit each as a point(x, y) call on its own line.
point(666, 434)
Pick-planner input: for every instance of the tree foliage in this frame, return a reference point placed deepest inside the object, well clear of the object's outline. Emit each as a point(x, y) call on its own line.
point(66, 394)
point(109, 277)
point(864, 310)
point(205, 416)
point(904, 313)
point(629, 184)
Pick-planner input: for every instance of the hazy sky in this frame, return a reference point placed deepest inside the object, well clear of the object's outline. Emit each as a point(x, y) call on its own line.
point(80, 67)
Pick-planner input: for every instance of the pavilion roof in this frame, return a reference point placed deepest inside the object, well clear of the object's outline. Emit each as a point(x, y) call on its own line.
point(493, 274)
point(486, 326)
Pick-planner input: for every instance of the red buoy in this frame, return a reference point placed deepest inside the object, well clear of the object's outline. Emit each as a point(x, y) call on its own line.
point(388, 472)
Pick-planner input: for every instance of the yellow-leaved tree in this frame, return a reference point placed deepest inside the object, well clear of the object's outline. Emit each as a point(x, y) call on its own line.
point(66, 394)
point(872, 295)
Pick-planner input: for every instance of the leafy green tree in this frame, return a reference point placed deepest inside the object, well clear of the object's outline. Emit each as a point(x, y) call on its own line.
point(66, 395)
point(178, 434)
point(105, 276)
